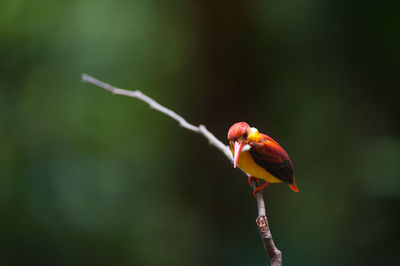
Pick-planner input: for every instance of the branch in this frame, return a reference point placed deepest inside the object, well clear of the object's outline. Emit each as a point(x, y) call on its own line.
point(156, 106)
point(274, 254)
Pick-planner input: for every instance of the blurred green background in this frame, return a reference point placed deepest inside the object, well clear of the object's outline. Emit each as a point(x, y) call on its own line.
point(88, 178)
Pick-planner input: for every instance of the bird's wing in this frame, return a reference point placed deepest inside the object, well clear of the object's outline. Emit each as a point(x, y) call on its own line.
point(269, 155)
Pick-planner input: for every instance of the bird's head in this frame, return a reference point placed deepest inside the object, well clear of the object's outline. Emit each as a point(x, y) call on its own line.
point(238, 136)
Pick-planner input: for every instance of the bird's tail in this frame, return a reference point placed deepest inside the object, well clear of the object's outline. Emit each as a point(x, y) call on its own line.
point(294, 187)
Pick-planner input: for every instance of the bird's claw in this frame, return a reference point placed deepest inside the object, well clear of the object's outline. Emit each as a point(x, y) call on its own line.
point(260, 188)
point(250, 180)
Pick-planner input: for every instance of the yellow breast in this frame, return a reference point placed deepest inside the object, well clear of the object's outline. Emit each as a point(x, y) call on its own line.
point(247, 164)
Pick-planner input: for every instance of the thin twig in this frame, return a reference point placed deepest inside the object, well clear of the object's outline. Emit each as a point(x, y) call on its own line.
point(274, 254)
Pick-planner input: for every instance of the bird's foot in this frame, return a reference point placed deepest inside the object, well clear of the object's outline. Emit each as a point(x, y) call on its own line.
point(251, 178)
point(260, 188)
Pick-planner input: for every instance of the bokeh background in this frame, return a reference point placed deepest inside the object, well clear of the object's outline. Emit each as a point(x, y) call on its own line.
point(88, 178)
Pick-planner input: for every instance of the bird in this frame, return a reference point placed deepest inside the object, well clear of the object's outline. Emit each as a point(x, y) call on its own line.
point(260, 157)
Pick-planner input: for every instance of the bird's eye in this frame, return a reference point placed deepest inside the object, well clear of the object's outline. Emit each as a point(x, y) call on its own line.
point(245, 135)
point(235, 139)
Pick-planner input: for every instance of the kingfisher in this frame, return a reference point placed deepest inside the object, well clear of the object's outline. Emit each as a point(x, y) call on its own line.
point(260, 157)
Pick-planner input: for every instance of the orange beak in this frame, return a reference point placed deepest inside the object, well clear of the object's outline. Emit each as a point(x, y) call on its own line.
point(236, 152)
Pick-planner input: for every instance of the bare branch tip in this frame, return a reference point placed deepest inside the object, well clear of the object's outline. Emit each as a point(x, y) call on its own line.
point(84, 77)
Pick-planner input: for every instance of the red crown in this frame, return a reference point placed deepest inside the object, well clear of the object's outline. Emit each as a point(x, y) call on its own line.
point(237, 130)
